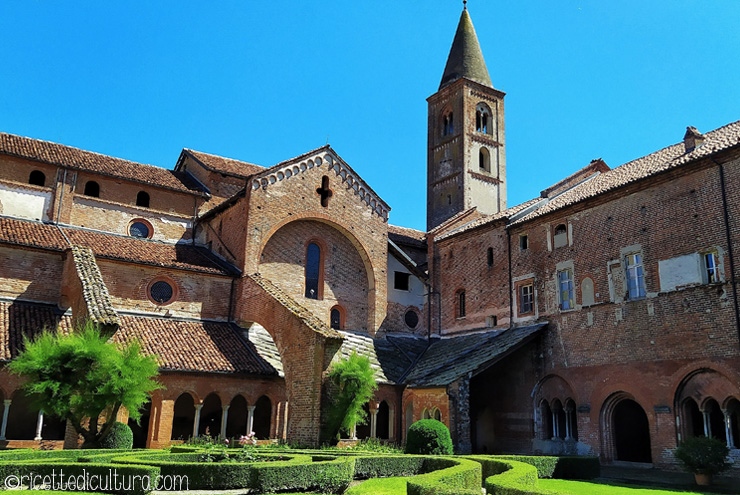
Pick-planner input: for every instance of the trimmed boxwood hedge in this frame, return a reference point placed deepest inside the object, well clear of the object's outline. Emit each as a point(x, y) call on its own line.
point(384, 466)
point(328, 476)
point(447, 476)
point(517, 478)
point(137, 480)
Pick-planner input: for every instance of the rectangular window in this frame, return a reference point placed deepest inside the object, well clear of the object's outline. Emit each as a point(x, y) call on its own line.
point(461, 304)
point(565, 283)
point(491, 321)
point(523, 242)
point(526, 299)
point(401, 281)
point(711, 267)
point(635, 276)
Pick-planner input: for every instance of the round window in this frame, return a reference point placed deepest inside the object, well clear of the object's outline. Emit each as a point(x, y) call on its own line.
point(411, 318)
point(161, 292)
point(139, 229)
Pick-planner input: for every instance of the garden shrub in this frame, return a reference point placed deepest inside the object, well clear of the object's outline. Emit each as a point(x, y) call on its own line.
point(324, 476)
point(447, 476)
point(430, 437)
point(384, 466)
point(517, 478)
point(704, 455)
point(119, 436)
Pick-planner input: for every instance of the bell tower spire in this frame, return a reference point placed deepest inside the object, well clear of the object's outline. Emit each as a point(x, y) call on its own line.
point(466, 164)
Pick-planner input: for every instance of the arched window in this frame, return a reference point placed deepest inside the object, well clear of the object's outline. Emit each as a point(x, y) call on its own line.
point(37, 178)
point(484, 160)
point(448, 126)
point(335, 318)
point(142, 199)
point(313, 271)
point(92, 189)
point(482, 118)
point(560, 238)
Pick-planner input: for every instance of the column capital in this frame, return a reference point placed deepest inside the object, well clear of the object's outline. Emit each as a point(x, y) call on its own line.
point(198, 407)
point(7, 402)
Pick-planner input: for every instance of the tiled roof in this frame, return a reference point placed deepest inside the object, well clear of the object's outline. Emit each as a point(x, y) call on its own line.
point(265, 346)
point(448, 359)
point(404, 235)
point(99, 307)
point(310, 319)
point(225, 165)
point(390, 360)
point(487, 219)
point(19, 319)
point(666, 159)
point(110, 246)
point(198, 346)
point(74, 158)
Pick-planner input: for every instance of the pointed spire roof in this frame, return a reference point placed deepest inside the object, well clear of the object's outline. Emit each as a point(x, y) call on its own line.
point(465, 59)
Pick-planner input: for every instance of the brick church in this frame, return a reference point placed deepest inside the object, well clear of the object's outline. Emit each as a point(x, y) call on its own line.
point(600, 317)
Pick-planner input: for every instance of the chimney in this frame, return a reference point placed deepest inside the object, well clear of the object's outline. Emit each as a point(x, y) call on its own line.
point(692, 139)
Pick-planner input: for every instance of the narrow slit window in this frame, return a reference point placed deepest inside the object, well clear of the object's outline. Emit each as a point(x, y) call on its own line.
point(489, 256)
point(313, 270)
point(461, 304)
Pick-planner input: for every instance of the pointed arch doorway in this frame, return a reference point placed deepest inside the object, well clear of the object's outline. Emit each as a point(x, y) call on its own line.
point(626, 430)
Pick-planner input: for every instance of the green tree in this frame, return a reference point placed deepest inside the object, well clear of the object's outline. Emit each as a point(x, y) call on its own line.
point(84, 378)
point(355, 381)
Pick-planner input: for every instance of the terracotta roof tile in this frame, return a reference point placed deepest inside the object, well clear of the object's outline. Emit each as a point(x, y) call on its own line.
point(110, 246)
point(197, 346)
point(19, 319)
point(404, 235)
point(225, 165)
point(74, 158)
point(99, 306)
point(666, 159)
point(484, 220)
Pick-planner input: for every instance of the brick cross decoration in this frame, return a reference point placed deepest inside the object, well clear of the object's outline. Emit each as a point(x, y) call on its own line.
point(324, 191)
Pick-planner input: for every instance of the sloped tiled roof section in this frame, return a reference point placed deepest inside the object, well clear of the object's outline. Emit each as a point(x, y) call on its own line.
point(21, 319)
point(194, 346)
point(488, 219)
point(99, 307)
point(448, 359)
point(388, 359)
point(113, 247)
point(407, 236)
point(663, 160)
point(224, 165)
point(75, 158)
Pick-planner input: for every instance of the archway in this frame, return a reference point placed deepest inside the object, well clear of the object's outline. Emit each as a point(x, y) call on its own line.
point(693, 420)
point(262, 417)
point(363, 431)
point(631, 432)
point(210, 416)
point(715, 419)
point(383, 421)
point(183, 417)
point(141, 429)
point(547, 430)
point(236, 424)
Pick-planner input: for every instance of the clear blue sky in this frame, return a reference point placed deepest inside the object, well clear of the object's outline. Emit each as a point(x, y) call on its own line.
point(263, 81)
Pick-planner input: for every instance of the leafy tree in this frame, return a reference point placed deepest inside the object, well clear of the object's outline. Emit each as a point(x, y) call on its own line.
point(85, 379)
point(355, 381)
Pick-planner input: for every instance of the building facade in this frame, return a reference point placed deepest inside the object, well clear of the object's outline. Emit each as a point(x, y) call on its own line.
point(601, 317)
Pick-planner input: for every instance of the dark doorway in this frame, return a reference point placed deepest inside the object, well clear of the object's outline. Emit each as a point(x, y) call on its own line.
point(363, 431)
point(183, 417)
point(631, 432)
point(384, 424)
point(693, 418)
point(141, 429)
point(262, 416)
point(210, 417)
point(236, 424)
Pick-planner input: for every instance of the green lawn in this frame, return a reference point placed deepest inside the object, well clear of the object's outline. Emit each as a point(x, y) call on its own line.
point(567, 487)
point(379, 486)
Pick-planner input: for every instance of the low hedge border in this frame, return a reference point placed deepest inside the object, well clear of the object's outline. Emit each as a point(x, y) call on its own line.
point(327, 476)
point(52, 455)
point(103, 478)
point(447, 476)
point(384, 466)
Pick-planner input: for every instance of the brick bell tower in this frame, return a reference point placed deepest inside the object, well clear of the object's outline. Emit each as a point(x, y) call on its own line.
point(466, 159)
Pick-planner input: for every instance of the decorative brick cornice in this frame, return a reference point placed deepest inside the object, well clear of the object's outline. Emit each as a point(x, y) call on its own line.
point(323, 157)
point(484, 178)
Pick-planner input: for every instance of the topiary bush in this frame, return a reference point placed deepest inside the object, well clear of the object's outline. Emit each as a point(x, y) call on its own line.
point(119, 436)
point(702, 455)
point(430, 437)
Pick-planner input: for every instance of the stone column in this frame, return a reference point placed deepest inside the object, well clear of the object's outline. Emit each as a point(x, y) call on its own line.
point(196, 420)
point(374, 423)
point(6, 411)
point(555, 426)
point(568, 429)
point(250, 419)
point(224, 419)
point(392, 424)
point(39, 425)
point(353, 433)
point(728, 429)
point(707, 424)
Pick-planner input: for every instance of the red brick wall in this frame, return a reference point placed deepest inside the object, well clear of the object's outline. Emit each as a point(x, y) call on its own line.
point(30, 275)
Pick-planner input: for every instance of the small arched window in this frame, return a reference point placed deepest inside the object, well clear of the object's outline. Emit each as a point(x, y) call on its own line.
point(484, 159)
point(313, 270)
point(142, 199)
point(482, 118)
point(335, 318)
point(561, 236)
point(37, 178)
point(448, 125)
point(92, 189)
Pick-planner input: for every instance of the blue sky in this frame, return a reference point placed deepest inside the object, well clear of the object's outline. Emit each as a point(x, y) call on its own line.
point(265, 81)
